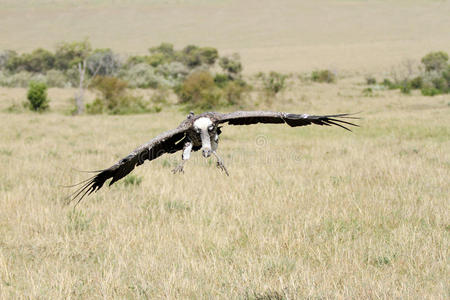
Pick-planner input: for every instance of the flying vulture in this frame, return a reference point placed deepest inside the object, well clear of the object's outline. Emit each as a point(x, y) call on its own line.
point(199, 132)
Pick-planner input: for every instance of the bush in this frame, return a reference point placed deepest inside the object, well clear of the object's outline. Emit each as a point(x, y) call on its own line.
point(114, 98)
point(103, 62)
point(233, 92)
point(199, 91)
point(143, 76)
point(37, 96)
point(21, 79)
point(417, 82)
point(435, 61)
point(324, 76)
point(56, 78)
point(5, 57)
point(38, 61)
point(221, 80)
point(274, 82)
point(389, 84)
point(174, 72)
point(370, 80)
point(231, 65)
point(405, 87)
point(430, 91)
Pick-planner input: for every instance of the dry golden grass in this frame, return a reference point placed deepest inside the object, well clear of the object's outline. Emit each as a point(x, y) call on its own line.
point(306, 213)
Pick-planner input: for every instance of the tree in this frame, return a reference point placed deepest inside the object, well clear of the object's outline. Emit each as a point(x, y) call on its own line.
point(104, 61)
point(435, 61)
point(68, 55)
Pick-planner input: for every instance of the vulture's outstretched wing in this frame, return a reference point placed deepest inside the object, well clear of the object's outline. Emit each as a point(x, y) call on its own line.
point(168, 142)
point(293, 120)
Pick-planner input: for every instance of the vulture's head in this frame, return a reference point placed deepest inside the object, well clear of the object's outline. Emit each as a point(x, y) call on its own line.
point(204, 127)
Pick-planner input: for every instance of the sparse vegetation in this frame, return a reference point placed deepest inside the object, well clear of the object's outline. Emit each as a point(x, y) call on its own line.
point(323, 76)
point(273, 82)
point(433, 81)
point(114, 98)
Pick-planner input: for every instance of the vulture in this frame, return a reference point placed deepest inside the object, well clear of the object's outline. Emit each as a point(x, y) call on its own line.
point(199, 132)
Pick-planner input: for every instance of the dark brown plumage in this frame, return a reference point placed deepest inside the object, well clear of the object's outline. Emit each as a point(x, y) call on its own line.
point(187, 133)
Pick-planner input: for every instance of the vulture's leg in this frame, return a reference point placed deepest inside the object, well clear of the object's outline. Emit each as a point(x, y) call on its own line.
point(220, 164)
point(214, 146)
point(185, 156)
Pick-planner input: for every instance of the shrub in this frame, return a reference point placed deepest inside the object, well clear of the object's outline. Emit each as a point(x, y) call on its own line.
point(199, 91)
point(103, 62)
point(231, 65)
point(114, 98)
point(370, 80)
point(324, 76)
point(143, 76)
point(56, 78)
point(175, 71)
point(111, 89)
point(405, 87)
point(389, 84)
point(274, 82)
point(5, 57)
point(417, 82)
point(38, 61)
point(435, 61)
point(221, 80)
point(37, 96)
point(234, 92)
point(21, 79)
point(430, 91)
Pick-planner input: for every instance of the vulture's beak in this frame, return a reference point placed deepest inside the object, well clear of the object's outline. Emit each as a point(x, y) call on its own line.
point(206, 153)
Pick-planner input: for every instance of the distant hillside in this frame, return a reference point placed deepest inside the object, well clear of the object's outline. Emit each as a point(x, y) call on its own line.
point(289, 35)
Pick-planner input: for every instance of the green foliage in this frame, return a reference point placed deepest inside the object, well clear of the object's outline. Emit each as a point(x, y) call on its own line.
point(435, 61)
point(21, 79)
point(430, 91)
point(234, 91)
point(389, 84)
point(274, 82)
point(231, 65)
point(38, 61)
point(68, 55)
point(405, 87)
point(221, 80)
point(56, 78)
point(323, 76)
point(103, 62)
point(37, 96)
point(114, 98)
point(199, 91)
point(5, 56)
point(416, 82)
point(143, 76)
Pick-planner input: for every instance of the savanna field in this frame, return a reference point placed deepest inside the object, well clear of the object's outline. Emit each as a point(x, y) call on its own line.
point(306, 213)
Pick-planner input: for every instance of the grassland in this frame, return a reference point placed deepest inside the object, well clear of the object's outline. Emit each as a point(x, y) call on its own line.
point(307, 213)
point(310, 212)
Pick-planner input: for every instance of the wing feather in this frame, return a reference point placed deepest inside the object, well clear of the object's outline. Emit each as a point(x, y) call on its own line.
point(293, 120)
point(168, 142)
